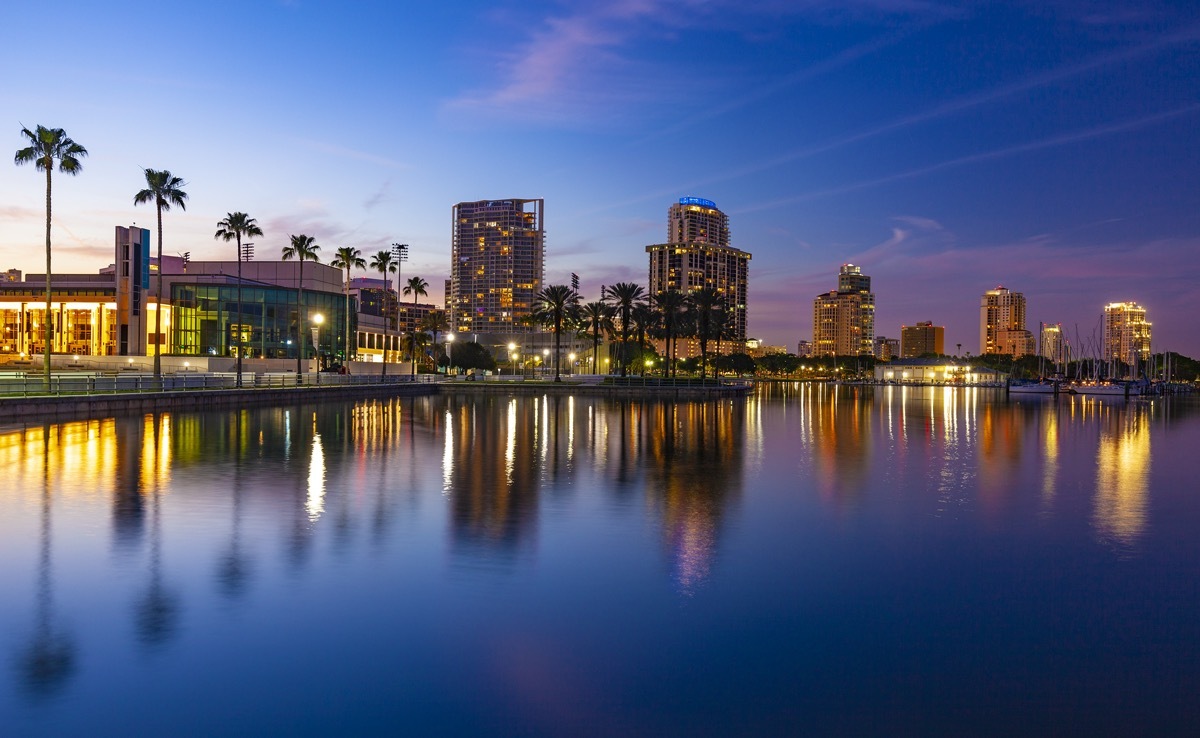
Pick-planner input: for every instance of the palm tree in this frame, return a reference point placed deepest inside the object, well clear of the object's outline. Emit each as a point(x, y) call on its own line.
point(435, 322)
point(347, 257)
point(596, 318)
point(302, 248)
point(416, 339)
point(164, 190)
point(670, 306)
point(415, 287)
point(384, 262)
point(233, 228)
point(552, 306)
point(645, 320)
point(624, 296)
point(46, 146)
point(704, 304)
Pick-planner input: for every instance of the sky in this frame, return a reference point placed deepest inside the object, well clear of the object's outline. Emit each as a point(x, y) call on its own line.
point(946, 148)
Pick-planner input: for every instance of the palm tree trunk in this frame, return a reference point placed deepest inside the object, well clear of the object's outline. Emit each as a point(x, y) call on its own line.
point(346, 335)
point(240, 351)
point(557, 338)
point(299, 319)
point(158, 308)
point(47, 326)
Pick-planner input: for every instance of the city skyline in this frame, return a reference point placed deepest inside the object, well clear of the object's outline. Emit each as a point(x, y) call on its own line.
point(946, 149)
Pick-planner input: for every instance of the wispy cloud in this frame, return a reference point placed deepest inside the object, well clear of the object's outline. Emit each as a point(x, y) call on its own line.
point(1045, 143)
point(589, 67)
point(17, 213)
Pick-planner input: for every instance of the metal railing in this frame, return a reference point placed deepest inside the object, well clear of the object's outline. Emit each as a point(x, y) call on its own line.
point(19, 384)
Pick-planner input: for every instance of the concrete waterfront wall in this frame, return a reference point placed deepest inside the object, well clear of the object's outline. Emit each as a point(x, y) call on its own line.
point(91, 406)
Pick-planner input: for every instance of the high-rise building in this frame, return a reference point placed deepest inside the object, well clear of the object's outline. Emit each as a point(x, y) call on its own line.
point(844, 319)
point(1126, 334)
point(1054, 343)
point(698, 255)
point(886, 348)
point(497, 263)
point(922, 338)
point(1002, 324)
point(12, 275)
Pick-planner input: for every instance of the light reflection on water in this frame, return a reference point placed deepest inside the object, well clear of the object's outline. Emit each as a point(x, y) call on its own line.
point(579, 527)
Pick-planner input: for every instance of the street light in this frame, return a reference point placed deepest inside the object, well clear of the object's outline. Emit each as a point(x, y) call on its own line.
point(317, 320)
point(512, 354)
point(450, 353)
point(571, 359)
point(545, 360)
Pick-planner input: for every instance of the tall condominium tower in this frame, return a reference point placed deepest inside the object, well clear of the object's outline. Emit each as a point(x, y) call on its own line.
point(698, 255)
point(1054, 343)
point(1126, 333)
point(844, 319)
point(922, 338)
point(497, 261)
point(1002, 324)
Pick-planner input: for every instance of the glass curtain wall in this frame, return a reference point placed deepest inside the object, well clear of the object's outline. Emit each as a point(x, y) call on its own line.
point(207, 321)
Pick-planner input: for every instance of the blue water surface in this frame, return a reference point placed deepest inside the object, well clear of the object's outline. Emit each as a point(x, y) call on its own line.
point(813, 559)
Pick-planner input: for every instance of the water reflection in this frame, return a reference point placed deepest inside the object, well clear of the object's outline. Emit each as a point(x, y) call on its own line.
point(49, 658)
point(1122, 474)
point(490, 480)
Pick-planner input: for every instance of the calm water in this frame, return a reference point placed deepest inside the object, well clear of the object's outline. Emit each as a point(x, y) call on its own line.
point(813, 560)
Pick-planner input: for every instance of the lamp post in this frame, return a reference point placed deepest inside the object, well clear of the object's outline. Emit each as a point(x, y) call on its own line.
point(316, 320)
point(450, 354)
point(545, 360)
point(512, 355)
point(571, 359)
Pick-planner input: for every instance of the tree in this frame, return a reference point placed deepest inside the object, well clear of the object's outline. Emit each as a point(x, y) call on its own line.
point(384, 262)
point(704, 304)
point(164, 190)
point(552, 307)
point(302, 248)
point(417, 288)
point(234, 227)
point(670, 305)
point(435, 322)
point(470, 355)
point(738, 363)
point(623, 296)
point(347, 257)
point(47, 146)
point(596, 318)
point(645, 321)
point(416, 339)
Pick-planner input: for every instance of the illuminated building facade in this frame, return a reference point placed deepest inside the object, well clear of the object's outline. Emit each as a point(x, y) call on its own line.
point(1126, 333)
point(886, 348)
point(844, 319)
point(1054, 343)
point(497, 265)
point(112, 312)
point(1002, 324)
point(922, 338)
point(698, 255)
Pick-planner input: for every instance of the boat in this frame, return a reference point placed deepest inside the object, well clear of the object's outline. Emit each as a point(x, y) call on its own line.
point(1110, 389)
point(1023, 387)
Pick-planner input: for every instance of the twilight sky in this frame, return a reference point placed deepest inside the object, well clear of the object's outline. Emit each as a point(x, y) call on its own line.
point(947, 148)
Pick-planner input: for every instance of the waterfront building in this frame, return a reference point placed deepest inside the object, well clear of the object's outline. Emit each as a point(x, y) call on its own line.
point(886, 348)
point(497, 265)
point(844, 319)
point(12, 275)
point(937, 371)
point(922, 338)
point(1127, 334)
point(804, 349)
point(1002, 324)
point(698, 254)
point(1054, 343)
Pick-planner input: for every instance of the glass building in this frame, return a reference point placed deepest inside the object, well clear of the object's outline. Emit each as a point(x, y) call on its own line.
point(269, 325)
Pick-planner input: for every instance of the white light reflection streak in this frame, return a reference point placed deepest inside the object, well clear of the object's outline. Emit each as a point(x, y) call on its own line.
point(570, 428)
point(315, 505)
point(448, 455)
point(510, 445)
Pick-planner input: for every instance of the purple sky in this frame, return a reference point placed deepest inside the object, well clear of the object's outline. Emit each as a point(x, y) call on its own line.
point(947, 148)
